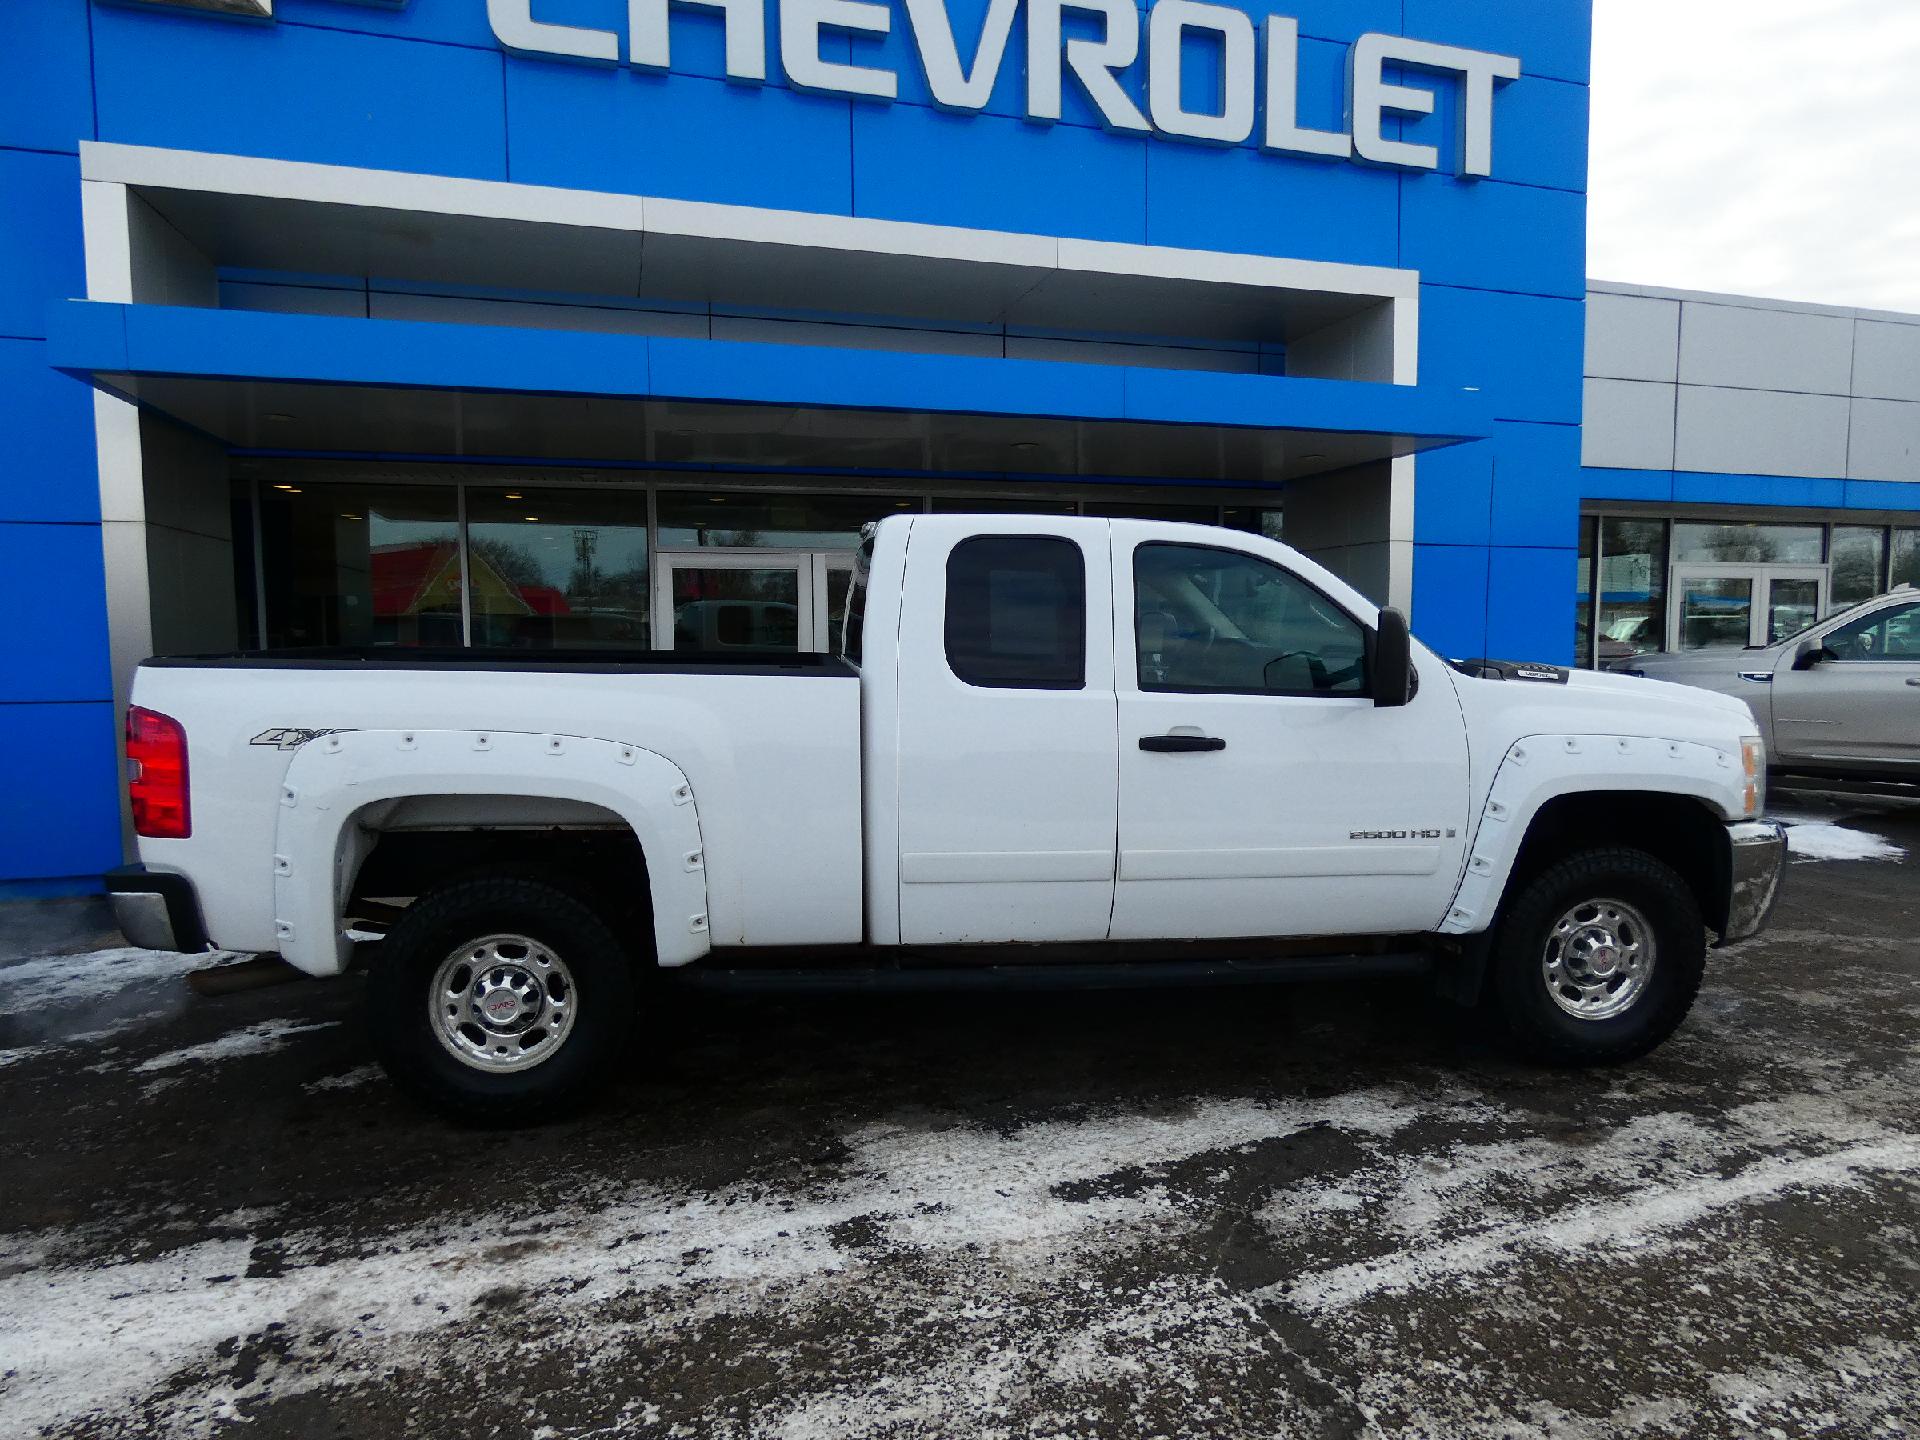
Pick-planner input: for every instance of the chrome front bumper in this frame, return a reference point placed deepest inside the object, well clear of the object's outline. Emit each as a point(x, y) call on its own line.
point(1758, 858)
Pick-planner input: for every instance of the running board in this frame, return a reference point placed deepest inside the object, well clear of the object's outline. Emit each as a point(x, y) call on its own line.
point(1130, 975)
point(1801, 782)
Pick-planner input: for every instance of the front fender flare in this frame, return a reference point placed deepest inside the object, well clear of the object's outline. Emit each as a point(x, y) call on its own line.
point(1541, 768)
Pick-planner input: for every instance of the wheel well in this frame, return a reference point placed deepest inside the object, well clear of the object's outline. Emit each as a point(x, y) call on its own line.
point(589, 852)
point(1677, 830)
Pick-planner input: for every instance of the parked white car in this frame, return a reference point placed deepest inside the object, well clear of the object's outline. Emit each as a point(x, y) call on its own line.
point(1840, 701)
point(1054, 751)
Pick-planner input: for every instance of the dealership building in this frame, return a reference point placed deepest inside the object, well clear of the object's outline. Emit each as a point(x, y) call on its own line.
point(545, 322)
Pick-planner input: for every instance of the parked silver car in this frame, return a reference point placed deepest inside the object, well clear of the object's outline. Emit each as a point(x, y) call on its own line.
point(1839, 700)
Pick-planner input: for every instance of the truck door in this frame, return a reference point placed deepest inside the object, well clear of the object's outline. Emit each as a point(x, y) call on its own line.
point(1006, 741)
point(1261, 791)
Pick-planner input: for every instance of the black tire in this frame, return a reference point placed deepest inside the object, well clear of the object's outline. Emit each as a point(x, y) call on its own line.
point(599, 988)
point(1521, 998)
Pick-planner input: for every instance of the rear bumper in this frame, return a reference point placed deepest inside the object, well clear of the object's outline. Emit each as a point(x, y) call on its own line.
point(1758, 858)
point(155, 909)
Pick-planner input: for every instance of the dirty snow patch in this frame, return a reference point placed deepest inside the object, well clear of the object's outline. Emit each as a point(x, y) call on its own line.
point(258, 1039)
point(1822, 841)
point(353, 1079)
point(64, 980)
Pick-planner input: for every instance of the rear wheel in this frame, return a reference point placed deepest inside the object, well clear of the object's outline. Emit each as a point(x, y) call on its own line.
point(1597, 960)
point(500, 998)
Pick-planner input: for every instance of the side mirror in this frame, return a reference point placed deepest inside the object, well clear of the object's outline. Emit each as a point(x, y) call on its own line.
point(1810, 654)
point(1392, 661)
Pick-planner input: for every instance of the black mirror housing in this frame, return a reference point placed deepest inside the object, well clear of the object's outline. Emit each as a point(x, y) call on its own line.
point(1810, 654)
point(1392, 661)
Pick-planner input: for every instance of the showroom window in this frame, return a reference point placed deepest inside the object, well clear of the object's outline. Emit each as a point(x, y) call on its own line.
point(1583, 597)
point(1906, 557)
point(697, 519)
point(550, 568)
point(1713, 543)
point(1859, 561)
point(1631, 585)
point(1742, 582)
point(539, 559)
point(360, 564)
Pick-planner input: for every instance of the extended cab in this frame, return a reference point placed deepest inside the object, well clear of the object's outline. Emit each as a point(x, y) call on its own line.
point(1050, 751)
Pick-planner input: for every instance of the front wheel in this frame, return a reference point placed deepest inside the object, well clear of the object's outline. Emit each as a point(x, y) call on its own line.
point(1597, 960)
point(500, 999)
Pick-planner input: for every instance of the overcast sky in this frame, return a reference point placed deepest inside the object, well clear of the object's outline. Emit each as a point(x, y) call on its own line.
point(1765, 147)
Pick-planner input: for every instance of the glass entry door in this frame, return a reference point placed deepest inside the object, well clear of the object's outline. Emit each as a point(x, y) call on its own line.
point(722, 600)
point(1731, 607)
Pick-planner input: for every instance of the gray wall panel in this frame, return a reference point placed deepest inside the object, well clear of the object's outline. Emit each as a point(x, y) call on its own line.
point(1629, 425)
point(1630, 338)
point(1760, 432)
point(1886, 360)
point(1886, 441)
point(1729, 345)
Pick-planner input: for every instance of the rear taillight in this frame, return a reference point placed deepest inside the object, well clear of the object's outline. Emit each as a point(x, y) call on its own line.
point(157, 775)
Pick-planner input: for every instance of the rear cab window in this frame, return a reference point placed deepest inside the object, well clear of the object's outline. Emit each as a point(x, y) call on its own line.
point(1016, 613)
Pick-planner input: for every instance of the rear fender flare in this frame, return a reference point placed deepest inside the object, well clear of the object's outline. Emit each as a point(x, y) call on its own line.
point(318, 847)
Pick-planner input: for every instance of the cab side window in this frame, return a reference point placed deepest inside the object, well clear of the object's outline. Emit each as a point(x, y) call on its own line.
point(1216, 621)
point(1017, 612)
point(1892, 634)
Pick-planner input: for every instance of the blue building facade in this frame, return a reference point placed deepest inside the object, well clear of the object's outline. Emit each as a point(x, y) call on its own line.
point(300, 300)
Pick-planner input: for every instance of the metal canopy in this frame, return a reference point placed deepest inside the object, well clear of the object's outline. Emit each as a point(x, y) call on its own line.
point(296, 383)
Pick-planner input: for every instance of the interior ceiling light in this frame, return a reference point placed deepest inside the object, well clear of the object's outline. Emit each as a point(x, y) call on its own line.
point(279, 417)
point(534, 518)
point(285, 487)
point(514, 495)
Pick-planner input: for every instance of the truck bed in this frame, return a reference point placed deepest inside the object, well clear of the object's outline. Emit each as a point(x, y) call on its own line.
point(769, 745)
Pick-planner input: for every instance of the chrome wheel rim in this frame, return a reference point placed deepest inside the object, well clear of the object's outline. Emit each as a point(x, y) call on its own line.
point(502, 1003)
point(1599, 959)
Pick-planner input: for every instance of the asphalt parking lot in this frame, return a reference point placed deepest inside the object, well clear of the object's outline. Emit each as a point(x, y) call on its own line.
point(1321, 1211)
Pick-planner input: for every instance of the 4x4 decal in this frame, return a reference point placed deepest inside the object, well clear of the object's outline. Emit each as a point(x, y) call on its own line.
point(291, 739)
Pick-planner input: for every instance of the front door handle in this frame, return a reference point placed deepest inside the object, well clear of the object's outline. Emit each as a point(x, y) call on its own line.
point(1181, 744)
point(1914, 681)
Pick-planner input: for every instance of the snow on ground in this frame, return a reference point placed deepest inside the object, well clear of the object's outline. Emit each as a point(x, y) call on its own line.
point(1011, 1246)
point(1821, 840)
point(68, 981)
point(52, 1002)
point(267, 1036)
point(350, 1080)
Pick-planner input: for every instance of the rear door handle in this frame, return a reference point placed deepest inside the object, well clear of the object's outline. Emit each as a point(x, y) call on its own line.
point(1914, 681)
point(1181, 744)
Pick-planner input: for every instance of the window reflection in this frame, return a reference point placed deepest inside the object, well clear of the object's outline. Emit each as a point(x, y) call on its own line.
point(1699, 543)
point(695, 519)
point(1583, 611)
point(1859, 560)
point(1906, 557)
point(360, 564)
point(1633, 588)
point(558, 568)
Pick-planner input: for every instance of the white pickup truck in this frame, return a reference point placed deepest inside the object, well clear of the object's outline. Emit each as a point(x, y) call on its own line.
point(1051, 751)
